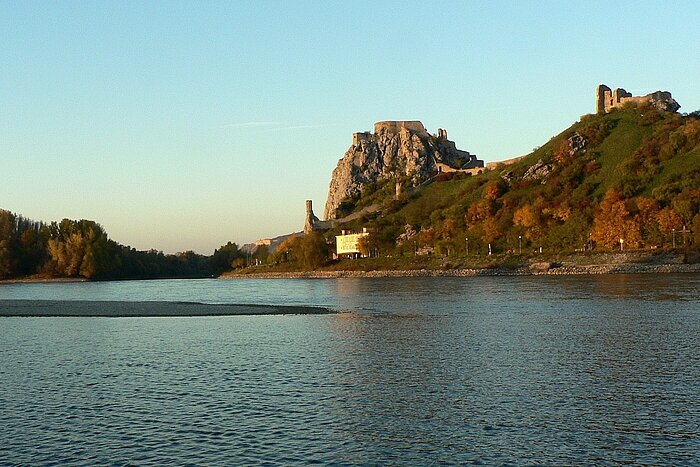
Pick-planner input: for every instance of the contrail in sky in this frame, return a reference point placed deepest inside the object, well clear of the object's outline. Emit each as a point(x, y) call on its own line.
point(249, 124)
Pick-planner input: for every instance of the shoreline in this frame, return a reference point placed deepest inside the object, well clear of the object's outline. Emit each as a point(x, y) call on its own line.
point(42, 280)
point(116, 309)
point(534, 269)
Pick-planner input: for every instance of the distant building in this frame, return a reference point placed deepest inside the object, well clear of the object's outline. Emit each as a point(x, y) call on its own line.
point(348, 244)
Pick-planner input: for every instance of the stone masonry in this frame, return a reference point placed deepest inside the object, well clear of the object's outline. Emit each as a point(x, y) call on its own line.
point(607, 99)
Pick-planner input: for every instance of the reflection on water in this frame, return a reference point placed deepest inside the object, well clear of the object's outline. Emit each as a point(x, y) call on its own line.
point(546, 370)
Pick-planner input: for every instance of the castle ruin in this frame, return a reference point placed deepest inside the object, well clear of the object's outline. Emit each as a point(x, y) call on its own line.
point(313, 223)
point(607, 99)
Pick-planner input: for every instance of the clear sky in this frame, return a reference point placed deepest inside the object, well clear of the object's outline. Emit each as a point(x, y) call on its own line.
point(184, 125)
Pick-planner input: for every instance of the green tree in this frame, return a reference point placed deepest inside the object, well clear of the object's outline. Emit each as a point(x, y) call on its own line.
point(314, 250)
point(7, 221)
point(223, 257)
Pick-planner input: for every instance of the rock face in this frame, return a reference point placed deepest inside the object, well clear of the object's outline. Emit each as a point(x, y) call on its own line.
point(395, 150)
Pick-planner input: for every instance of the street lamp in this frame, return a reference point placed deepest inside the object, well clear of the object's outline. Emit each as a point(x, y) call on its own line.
point(466, 240)
point(673, 237)
point(520, 244)
point(489, 249)
point(622, 242)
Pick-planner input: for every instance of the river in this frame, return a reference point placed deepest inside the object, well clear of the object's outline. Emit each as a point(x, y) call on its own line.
point(485, 370)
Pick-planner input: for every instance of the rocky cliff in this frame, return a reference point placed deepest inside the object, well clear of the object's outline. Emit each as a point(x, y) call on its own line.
point(396, 150)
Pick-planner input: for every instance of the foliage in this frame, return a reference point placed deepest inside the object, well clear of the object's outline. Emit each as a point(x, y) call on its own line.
point(313, 250)
point(82, 249)
point(637, 177)
point(224, 257)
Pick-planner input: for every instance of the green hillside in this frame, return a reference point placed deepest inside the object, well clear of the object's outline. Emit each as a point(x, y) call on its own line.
point(632, 174)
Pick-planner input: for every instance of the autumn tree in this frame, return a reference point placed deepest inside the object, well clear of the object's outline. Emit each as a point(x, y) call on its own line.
point(289, 249)
point(529, 218)
point(613, 221)
point(563, 153)
point(668, 222)
point(79, 248)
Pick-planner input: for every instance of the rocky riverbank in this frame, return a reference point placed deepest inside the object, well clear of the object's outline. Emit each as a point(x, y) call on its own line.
point(600, 263)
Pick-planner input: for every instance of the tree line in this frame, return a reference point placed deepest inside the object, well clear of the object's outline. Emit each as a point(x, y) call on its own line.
point(82, 248)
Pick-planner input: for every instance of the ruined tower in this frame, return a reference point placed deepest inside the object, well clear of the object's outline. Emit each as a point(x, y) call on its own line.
point(606, 99)
point(310, 217)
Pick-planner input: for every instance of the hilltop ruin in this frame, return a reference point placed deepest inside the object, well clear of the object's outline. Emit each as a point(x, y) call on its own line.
point(397, 150)
point(607, 99)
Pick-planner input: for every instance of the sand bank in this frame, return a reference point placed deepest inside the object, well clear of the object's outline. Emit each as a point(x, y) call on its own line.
point(145, 309)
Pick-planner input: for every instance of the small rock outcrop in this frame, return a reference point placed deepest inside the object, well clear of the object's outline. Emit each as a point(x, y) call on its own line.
point(395, 150)
point(538, 171)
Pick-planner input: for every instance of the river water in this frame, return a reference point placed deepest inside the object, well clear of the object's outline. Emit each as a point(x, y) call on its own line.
point(486, 370)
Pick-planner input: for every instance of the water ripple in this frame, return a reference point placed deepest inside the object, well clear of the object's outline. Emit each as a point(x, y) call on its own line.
point(583, 371)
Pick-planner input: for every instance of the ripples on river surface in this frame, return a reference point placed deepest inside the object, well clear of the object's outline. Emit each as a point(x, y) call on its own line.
point(491, 370)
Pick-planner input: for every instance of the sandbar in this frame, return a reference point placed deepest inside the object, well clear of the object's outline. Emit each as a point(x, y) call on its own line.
point(117, 309)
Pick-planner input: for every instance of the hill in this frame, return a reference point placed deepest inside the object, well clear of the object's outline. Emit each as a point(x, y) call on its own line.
point(625, 179)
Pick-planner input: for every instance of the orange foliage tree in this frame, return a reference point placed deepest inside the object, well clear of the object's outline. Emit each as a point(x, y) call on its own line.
point(528, 217)
point(613, 222)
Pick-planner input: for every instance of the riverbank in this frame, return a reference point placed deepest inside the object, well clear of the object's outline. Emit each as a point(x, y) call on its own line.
point(41, 280)
point(115, 309)
point(632, 262)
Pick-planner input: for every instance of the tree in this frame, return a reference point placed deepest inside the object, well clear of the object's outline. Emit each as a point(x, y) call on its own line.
point(223, 257)
point(369, 245)
point(529, 218)
point(563, 153)
point(612, 222)
point(289, 250)
point(668, 221)
point(7, 221)
point(492, 191)
point(491, 230)
point(314, 250)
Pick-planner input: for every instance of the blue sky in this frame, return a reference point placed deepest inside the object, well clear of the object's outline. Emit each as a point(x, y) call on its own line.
point(183, 125)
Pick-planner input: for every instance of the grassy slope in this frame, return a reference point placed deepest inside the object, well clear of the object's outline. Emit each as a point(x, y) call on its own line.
point(627, 131)
point(625, 138)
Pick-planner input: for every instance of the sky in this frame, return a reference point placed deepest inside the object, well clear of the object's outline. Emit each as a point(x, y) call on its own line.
point(184, 125)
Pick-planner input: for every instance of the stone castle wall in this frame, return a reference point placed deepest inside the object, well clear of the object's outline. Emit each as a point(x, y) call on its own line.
point(607, 99)
point(395, 126)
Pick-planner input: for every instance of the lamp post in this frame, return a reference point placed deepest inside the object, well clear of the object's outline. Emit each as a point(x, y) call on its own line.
point(466, 240)
point(489, 249)
point(673, 237)
point(622, 242)
point(684, 236)
point(520, 244)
